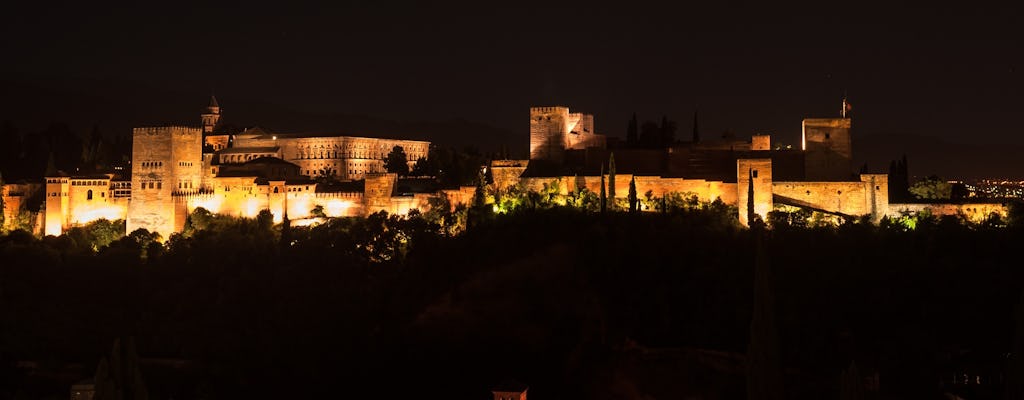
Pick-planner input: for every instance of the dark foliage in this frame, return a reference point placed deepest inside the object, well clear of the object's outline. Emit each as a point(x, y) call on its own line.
point(572, 303)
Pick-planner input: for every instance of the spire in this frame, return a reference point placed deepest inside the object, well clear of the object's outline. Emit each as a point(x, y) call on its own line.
point(213, 101)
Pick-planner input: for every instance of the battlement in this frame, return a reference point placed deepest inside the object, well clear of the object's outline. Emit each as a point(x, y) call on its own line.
point(827, 122)
point(549, 110)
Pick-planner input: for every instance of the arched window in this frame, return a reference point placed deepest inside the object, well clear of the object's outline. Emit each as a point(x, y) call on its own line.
point(275, 189)
point(88, 195)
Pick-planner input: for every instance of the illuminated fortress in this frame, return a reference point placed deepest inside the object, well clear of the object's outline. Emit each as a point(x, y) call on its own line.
point(176, 169)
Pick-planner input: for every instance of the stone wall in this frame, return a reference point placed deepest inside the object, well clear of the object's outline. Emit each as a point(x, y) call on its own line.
point(162, 157)
point(506, 173)
point(706, 191)
point(758, 170)
point(14, 197)
point(974, 212)
point(91, 199)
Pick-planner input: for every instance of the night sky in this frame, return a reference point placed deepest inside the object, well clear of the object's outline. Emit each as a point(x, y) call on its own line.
point(942, 75)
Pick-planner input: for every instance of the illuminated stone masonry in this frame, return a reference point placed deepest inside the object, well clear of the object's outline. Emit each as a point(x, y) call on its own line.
point(176, 169)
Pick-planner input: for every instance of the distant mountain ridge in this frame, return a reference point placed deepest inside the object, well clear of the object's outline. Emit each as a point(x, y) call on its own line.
point(930, 156)
point(117, 108)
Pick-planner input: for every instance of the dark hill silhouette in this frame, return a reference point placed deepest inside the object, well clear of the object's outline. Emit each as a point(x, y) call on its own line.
point(930, 156)
point(118, 106)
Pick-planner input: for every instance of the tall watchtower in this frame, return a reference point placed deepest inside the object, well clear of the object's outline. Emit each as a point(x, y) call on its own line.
point(57, 204)
point(211, 117)
point(828, 151)
point(166, 161)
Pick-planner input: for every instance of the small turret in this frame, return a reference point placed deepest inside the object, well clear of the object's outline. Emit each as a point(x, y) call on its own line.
point(212, 116)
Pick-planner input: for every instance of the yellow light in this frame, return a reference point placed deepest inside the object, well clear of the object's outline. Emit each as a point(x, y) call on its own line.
point(337, 207)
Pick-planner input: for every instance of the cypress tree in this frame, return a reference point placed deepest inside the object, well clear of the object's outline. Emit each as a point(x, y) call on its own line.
point(764, 374)
point(611, 180)
point(604, 196)
point(633, 201)
point(750, 199)
point(1, 202)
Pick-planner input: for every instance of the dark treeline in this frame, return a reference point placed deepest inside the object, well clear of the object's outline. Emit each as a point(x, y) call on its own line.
point(576, 304)
point(31, 155)
point(651, 134)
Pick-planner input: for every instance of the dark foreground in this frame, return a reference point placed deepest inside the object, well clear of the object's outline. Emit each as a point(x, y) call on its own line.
point(576, 305)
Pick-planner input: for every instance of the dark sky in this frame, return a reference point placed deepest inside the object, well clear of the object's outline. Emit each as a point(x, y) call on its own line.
point(935, 72)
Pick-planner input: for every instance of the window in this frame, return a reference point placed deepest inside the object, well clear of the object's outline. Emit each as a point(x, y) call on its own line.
point(878, 188)
point(753, 174)
point(159, 185)
point(88, 195)
point(828, 135)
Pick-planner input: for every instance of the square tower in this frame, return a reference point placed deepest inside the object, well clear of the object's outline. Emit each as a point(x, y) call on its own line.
point(553, 130)
point(58, 189)
point(166, 162)
point(827, 149)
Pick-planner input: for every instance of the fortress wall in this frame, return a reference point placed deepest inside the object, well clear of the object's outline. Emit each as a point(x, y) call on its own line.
point(102, 205)
point(506, 173)
point(462, 195)
point(14, 196)
point(758, 170)
point(706, 191)
point(975, 212)
point(378, 190)
point(841, 197)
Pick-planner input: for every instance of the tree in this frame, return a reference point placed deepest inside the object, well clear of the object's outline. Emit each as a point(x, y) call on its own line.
point(633, 201)
point(604, 195)
point(318, 212)
point(631, 132)
point(764, 373)
point(932, 188)
point(611, 180)
point(397, 162)
point(118, 376)
point(750, 199)
point(650, 135)
point(667, 131)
